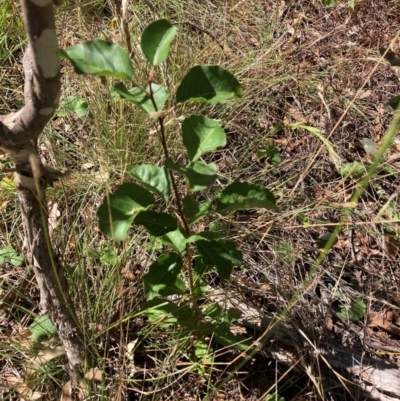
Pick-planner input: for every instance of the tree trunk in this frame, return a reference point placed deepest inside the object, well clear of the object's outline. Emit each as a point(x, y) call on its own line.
point(19, 133)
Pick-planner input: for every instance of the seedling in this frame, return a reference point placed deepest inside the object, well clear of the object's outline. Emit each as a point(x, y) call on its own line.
point(164, 198)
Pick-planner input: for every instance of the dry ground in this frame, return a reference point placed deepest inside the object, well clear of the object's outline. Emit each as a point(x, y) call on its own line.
point(298, 62)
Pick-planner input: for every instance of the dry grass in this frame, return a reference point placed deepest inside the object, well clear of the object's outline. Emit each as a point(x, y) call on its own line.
point(297, 61)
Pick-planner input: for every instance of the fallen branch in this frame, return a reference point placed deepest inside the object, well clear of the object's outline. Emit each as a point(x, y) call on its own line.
point(375, 379)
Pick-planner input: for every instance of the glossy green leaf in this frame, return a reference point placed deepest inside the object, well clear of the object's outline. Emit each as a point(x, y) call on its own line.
point(222, 255)
point(204, 235)
point(194, 210)
point(176, 240)
point(234, 252)
point(10, 255)
point(154, 178)
point(160, 311)
point(156, 40)
point(200, 175)
point(117, 212)
point(73, 104)
point(208, 83)
point(99, 57)
point(42, 328)
point(156, 223)
point(201, 135)
point(244, 195)
point(142, 99)
point(162, 277)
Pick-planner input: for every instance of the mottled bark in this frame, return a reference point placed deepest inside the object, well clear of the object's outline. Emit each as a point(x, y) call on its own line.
point(19, 133)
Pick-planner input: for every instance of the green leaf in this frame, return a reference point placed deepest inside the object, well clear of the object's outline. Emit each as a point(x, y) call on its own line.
point(101, 58)
point(394, 102)
point(156, 223)
point(204, 235)
point(8, 184)
point(369, 146)
point(200, 175)
point(154, 178)
point(194, 210)
point(272, 153)
point(201, 135)
point(244, 195)
point(160, 311)
point(107, 254)
point(354, 169)
point(208, 83)
point(175, 239)
point(201, 349)
point(142, 99)
point(214, 312)
point(186, 317)
point(274, 396)
point(42, 328)
point(117, 212)
point(162, 277)
point(234, 252)
point(73, 104)
point(10, 255)
point(356, 311)
point(225, 337)
point(223, 255)
point(217, 314)
point(323, 240)
point(156, 39)
point(390, 56)
point(219, 228)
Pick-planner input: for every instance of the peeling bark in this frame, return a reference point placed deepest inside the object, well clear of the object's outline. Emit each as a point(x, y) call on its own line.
point(19, 133)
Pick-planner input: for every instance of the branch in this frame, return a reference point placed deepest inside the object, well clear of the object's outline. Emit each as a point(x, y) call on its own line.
point(42, 78)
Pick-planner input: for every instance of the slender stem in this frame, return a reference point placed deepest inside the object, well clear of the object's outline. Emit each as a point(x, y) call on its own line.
point(174, 186)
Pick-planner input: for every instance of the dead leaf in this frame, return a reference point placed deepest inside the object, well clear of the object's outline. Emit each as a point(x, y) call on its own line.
point(18, 384)
point(54, 214)
point(125, 272)
point(364, 94)
point(376, 320)
point(94, 374)
point(392, 246)
point(329, 323)
point(66, 392)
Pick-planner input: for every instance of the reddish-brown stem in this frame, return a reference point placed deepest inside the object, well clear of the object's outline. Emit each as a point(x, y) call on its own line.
point(174, 186)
